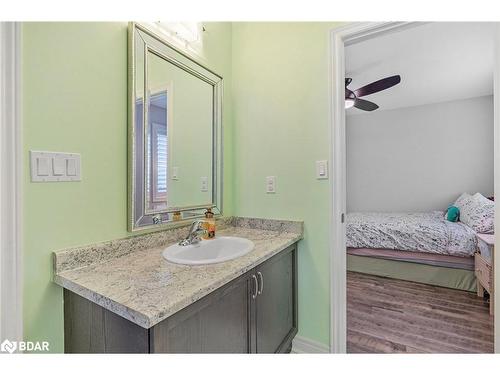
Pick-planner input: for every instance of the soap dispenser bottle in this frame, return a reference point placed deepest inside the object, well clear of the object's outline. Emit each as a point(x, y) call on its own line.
point(209, 224)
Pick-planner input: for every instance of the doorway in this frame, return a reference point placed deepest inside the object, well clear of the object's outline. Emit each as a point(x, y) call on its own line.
point(340, 38)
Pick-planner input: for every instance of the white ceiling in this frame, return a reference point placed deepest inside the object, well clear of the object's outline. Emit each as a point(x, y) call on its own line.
point(438, 62)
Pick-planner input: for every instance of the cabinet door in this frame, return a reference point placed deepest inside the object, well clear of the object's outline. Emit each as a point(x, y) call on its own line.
point(277, 302)
point(90, 328)
point(218, 323)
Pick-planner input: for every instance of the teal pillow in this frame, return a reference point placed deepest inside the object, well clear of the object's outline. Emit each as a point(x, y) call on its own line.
point(453, 213)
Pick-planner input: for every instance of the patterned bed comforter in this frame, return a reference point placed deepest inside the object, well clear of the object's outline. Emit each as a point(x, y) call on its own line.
point(425, 232)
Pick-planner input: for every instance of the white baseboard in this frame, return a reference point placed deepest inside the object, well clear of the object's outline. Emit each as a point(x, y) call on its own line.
point(302, 345)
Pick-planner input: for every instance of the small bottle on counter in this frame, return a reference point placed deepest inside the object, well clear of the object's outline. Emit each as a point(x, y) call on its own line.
point(209, 225)
point(177, 216)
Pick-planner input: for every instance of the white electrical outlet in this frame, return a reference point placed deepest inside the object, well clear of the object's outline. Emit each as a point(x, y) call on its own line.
point(271, 184)
point(204, 184)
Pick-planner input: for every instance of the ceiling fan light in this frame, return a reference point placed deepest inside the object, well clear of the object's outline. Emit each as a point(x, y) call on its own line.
point(349, 103)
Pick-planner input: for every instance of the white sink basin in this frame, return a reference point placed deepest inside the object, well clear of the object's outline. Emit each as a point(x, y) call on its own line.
point(220, 249)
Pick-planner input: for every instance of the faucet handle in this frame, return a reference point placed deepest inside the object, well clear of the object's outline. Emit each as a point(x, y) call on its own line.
point(195, 225)
point(195, 231)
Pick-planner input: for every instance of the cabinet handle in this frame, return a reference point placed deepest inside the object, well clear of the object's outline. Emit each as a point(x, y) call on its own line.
point(261, 282)
point(256, 286)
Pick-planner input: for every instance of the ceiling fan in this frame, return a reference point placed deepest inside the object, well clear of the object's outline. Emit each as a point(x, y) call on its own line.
point(352, 98)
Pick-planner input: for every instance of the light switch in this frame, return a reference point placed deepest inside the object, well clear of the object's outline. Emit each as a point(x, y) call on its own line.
point(204, 184)
point(58, 166)
point(322, 169)
point(42, 166)
point(175, 173)
point(54, 166)
point(271, 184)
point(71, 167)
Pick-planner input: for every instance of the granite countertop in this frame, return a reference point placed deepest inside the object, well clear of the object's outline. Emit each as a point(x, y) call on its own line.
point(131, 278)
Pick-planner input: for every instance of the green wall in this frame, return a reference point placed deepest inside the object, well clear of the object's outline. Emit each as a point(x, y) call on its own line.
point(75, 100)
point(280, 108)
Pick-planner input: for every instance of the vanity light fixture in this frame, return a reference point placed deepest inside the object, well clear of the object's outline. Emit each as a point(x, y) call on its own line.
point(186, 32)
point(186, 35)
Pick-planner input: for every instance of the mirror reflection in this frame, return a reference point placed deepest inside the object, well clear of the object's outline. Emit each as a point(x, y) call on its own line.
point(176, 155)
point(179, 144)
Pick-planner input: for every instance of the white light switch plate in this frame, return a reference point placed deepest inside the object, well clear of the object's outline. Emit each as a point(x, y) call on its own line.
point(271, 184)
point(322, 169)
point(175, 173)
point(55, 166)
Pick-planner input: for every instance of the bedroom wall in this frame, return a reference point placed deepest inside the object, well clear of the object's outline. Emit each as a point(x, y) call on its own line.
point(419, 158)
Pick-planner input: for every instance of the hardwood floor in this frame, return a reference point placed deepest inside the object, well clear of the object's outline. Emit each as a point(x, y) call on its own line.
point(395, 316)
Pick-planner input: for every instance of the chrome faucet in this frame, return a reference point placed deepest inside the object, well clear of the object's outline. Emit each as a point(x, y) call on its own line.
point(194, 235)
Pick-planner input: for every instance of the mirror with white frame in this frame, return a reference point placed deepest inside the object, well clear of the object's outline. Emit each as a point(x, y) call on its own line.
point(175, 133)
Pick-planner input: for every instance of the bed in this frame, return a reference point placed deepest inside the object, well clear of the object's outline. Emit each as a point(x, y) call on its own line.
point(419, 246)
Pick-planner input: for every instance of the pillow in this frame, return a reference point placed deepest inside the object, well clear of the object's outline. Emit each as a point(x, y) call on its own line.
point(462, 201)
point(452, 214)
point(477, 212)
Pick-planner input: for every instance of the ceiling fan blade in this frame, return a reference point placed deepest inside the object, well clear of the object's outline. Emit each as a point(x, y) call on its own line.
point(377, 86)
point(348, 81)
point(365, 105)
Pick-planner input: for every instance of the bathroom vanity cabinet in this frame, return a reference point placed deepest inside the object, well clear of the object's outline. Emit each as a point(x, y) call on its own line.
point(254, 313)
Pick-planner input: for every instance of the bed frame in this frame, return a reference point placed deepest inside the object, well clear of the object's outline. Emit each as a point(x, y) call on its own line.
point(440, 270)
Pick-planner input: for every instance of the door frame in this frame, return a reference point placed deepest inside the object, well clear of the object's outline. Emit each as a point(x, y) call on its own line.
point(11, 177)
point(339, 38)
point(496, 169)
